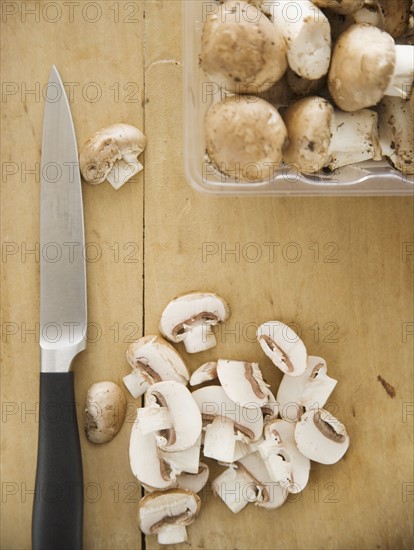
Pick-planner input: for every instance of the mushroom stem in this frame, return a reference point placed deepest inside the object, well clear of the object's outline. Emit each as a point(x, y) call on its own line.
point(123, 170)
point(172, 534)
point(135, 384)
point(235, 488)
point(402, 79)
point(219, 440)
point(199, 338)
point(154, 418)
point(184, 461)
point(278, 469)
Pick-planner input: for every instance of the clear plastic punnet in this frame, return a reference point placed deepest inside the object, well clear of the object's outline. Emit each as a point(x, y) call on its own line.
point(367, 178)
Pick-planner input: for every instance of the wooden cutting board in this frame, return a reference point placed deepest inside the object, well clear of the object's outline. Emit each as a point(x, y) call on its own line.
point(341, 269)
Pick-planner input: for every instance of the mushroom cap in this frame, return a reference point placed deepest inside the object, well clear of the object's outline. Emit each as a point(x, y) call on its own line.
point(157, 360)
point(309, 124)
point(362, 67)
point(283, 347)
point(192, 308)
point(105, 411)
point(395, 16)
point(241, 50)
point(184, 413)
point(321, 437)
point(213, 402)
point(105, 147)
point(340, 6)
point(172, 507)
point(245, 137)
point(243, 383)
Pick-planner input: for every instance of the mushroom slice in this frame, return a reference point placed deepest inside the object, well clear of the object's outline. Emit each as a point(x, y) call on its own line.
point(307, 35)
point(282, 458)
point(184, 461)
point(283, 347)
point(153, 359)
point(322, 137)
point(173, 416)
point(270, 409)
point(225, 423)
point(321, 437)
point(167, 514)
point(397, 132)
point(205, 373)
point(112, 154)
point(189, 319)
point(146, 464)
point(245, 138)
point(243, 383)
point(366, 66)
point(194, 482)
point(310, 389)
point(241, 50)
point(105, 411)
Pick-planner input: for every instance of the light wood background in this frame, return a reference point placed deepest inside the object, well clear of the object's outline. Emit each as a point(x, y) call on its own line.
point(342, 271)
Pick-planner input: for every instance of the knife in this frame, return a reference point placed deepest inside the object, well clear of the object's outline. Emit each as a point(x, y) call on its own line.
point(58, 503)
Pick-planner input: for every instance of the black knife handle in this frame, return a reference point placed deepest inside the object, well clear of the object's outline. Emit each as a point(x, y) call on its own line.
point(58, 504)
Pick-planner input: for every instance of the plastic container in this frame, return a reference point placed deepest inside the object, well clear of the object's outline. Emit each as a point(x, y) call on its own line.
point(368, 178)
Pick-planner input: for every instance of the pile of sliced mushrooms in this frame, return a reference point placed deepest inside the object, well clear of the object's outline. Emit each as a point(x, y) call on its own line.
point(312, 85)
point(265, 443)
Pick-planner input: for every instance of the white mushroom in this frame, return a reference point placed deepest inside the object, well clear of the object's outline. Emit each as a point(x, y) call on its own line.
point(321, 437)
point(283, 346)
point(391, 16)
point(225, 423)
point(190, 319)
point(366, 66)
point(194, 482)
point(173, 416)
point(112, 154)
point(105, 411)
point(323, 137)
point(302, 86)
point(153, 359)
point(241, 50)
point(341, 6)
point(167, 514)
point(282, 458)
point(243, 383)
point(307, 35)
point(205, 373)
point(310, 389)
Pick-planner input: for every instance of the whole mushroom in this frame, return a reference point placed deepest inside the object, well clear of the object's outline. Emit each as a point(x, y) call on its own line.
point(105, 411)
point(341, 6)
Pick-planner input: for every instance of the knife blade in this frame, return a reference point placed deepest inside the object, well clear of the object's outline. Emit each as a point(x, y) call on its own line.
point(58, 504)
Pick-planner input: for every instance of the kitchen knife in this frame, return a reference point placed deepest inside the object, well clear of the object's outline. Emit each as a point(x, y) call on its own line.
point(58, 504)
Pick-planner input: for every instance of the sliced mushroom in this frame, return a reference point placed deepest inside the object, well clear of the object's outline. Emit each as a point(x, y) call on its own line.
point(189, 319)
point(270, 409)
point(194, 482)
point(112, 154)
point(324, 137)
point(321, 437)
point(245, 138)
point(366, 66)
point(225, 423)
point(153, 359)
point(283, 347)
point(283, 460)
point(105, 411)
point(205, 373)
point(168, 514)
point(243, 383)
point(183, 461)
point(241, 50)
point(172, 415)
point(309, 390)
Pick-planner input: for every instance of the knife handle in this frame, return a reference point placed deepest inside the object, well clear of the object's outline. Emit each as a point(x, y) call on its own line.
point(58, 504)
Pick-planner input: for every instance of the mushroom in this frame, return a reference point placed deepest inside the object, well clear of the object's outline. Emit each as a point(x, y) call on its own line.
point(153, 359)
point(310, 389)
point(307, 35)
point(392, 16)
point(247, 480)
point(225, 423)
point(341, 6)
point(241, 50)
point(173, 416)
point(245, 137)
point(302, 86)
point(194, 482)
point(283, 347)
point(189, 319)
point(282, 458)
point(321, 437)
point(205, 373)
point(270, 409)
point(112, 154)
point(397, 132)
point(322, 137)
point(243, 383)
point(167, 514)
point(366, 66)
point(105, 411)
point(183, 461)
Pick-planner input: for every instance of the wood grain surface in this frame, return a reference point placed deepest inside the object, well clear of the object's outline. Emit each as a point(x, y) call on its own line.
point(339, 270)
